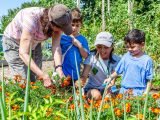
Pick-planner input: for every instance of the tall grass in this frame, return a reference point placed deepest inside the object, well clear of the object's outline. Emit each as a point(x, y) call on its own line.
point(27, 86)
point(146, 101)
point(80, 89)
point(2, 98)
point(75, 99)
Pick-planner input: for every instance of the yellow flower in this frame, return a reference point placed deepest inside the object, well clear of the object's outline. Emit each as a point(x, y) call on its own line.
point(140, 116)
point(106, 106)
point(34, 87)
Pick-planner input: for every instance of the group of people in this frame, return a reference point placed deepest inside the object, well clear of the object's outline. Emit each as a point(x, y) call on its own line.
point(31, 26)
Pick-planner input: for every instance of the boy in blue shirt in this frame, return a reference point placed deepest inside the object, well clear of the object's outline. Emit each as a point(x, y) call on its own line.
point(73, 44)
point(135, 66)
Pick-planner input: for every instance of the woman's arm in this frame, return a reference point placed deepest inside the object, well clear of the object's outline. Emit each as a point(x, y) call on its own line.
point(57, 54)
point(24, 48)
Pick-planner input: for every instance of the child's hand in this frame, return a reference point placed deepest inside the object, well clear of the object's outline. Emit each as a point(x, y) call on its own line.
point(107, 80)
point(83, 82)
point(76, 42)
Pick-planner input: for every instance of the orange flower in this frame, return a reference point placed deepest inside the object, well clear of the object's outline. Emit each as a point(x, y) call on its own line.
point(52, 88)
point(88, 100)
point(140, 116)
point(155, 110)
point(97, 104)
point(86, 106)
point(106, 99)
point(114, 101)
point(106, 106)
point(84, 97)
point(7, 94)
point(119, 96)
point(71, 106)
point(22, 86)
point(7, 100)
point(17, 78)
point(48, 112)
point(34, 87)
point(0, 88)
point(118, 112)
point(56, 118)
point(15, 107)
point(32, 83)
point(128, 107)
point(156, 96)
point(47, 96)
point(66, 81)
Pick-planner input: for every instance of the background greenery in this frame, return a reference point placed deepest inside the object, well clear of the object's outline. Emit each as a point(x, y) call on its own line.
point(145, 17)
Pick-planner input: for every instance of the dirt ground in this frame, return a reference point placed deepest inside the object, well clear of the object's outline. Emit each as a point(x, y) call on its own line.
point(46, 66)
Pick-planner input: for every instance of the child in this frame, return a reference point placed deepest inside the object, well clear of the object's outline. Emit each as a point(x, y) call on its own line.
point(136, 66)
point(99, 65)
point(74, 44)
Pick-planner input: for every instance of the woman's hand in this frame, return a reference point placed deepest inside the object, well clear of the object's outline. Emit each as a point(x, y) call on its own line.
point(46, 80)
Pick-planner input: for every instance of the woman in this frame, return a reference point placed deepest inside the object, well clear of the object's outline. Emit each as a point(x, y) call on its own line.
point(30, 27)
point(99, 65)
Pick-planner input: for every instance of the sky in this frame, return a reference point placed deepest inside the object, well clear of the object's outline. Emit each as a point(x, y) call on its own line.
point(10, 4)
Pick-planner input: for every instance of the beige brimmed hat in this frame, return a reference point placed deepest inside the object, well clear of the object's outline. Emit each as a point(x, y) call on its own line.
point(104, 38)
point(62, 17)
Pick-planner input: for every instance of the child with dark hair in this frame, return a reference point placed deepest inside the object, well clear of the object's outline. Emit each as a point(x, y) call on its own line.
point(135, 66)
point(72, 45)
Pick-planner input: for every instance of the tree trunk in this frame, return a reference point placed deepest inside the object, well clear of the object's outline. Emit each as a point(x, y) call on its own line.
point(130, 8)
point(103, 16)
point(108, 1)
point(78, 4)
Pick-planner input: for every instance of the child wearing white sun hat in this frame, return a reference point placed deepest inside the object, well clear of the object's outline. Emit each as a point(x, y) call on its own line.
point(99, 65)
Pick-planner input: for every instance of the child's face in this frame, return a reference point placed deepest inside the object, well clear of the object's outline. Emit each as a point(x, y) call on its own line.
point(76, 28)
point(104, 51)
point(135, 49)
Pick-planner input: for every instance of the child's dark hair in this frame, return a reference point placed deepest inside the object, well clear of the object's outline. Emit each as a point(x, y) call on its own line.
point(135, 36)
point(76, 15)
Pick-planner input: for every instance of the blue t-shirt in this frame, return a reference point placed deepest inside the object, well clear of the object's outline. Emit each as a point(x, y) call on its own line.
point(69, 63)
point(97, 73)
point(135, 71)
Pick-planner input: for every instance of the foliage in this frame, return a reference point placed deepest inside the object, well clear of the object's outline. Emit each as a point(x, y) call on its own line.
point(61, 106)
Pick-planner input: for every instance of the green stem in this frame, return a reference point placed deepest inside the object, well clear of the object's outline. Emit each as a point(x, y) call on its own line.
point(146, 101)
point(80, 90)
point(27, 87)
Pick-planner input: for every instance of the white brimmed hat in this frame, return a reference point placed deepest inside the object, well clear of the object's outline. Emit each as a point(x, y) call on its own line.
point(104, 38)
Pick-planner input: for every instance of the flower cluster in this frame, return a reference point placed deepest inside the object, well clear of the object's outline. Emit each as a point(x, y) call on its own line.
point(66, 81)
